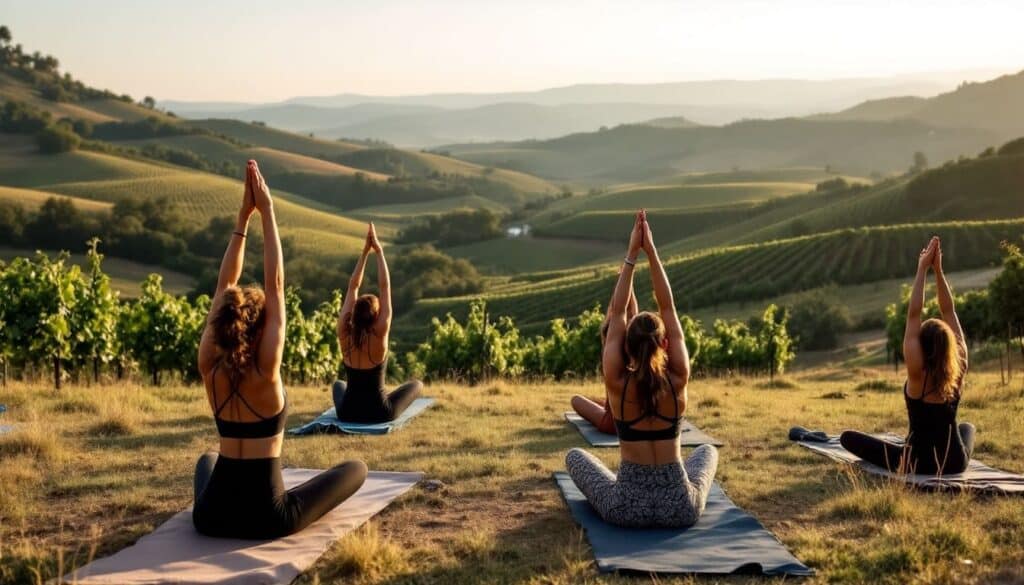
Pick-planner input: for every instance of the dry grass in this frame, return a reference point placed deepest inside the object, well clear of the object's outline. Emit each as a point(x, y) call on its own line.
point(71, 492)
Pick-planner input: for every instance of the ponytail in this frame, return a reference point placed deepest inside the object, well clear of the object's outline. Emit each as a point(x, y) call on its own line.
point(649, 360)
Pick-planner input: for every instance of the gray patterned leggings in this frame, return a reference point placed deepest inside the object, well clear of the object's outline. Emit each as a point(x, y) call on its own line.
point(671, 495)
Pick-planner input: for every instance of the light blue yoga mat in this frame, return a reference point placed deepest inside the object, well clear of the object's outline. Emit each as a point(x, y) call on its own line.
point(689, 436)
point(978, 477)
point(725, 540)
point(328, 422)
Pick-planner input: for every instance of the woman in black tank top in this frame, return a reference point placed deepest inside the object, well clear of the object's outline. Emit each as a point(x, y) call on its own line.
point(363, 328)
point(239, 490)
point(936, 358)
point(645, 365)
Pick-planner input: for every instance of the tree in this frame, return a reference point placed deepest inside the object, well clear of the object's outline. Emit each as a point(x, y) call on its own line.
point(5, 35)
point(920, 162)
point(57, 139)
point(149, 102)
point(817, 319)
point(1006, 291)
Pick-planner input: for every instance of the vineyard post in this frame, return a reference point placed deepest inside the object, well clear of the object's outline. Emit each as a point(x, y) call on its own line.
point(485, 370)
point(1009, 374)
point(56, 372)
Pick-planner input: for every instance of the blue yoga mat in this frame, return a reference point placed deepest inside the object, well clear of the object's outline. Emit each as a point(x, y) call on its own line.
point(725, 540)
point(328, 422)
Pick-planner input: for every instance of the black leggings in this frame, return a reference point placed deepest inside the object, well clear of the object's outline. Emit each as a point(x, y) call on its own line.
point(245, 498)
point(923, 459)
point(370, 405)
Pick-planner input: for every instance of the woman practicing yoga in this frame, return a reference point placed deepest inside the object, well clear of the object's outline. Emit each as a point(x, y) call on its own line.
point(646, 386)
point(363, 328)
point(936, 356)
point(597, 411)
point(239, 492)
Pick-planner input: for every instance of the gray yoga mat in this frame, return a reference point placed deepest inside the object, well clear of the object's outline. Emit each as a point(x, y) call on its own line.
point(690, 436)
point(725, 540)
point(328, 422)
point(175, 553)
point(978, 477)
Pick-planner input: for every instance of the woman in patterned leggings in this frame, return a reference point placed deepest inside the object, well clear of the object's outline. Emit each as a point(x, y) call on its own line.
point(647, 395)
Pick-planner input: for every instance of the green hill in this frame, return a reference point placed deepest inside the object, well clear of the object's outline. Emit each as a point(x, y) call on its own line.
point(642, 153)
point(992, 105)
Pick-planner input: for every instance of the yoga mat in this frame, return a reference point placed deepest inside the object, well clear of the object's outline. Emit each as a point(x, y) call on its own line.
point(328, 422)
point(978, 477)
point(176, 553)
point(690, 436)
point(725, 540)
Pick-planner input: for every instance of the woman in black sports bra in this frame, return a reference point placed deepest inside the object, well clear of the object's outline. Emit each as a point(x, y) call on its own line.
point(363, 328)
point(646, 387)
point(936, 357)
point(239, 491)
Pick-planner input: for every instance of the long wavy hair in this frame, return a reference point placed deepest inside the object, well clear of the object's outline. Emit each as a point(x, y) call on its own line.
point(943, 365)
point(237, 323)
point(645, 337)
point(361, 319)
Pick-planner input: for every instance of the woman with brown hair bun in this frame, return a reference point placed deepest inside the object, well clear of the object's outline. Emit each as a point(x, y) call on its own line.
point(239, 491)
point(935, 353)
point(363, 328)
point(646, 386)
point(596, 410)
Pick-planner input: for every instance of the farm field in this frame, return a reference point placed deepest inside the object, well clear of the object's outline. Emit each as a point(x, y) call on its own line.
point(199, 196)
point(864, 301)
point(125, 275)
point(90, 470)
point(752, 272)
point(532, 254)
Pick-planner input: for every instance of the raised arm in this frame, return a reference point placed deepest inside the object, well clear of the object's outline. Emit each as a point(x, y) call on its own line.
point(272, 343)
point(230, 269)
point(383, 282)
point(947, 306)
point(912, 352)
point(678, 355)
point(354, 282)
point(234, 256)
point(612, 360)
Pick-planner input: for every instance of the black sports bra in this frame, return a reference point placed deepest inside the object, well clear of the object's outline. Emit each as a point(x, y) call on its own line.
point(625, 429)
point(264, 428)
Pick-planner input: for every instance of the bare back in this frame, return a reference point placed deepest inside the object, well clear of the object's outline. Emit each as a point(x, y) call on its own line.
point(264, 397)
point(372, 352)
point(647, 452)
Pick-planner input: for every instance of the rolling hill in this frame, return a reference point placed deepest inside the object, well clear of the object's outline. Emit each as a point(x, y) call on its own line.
point(642, 153)
point(990, 105)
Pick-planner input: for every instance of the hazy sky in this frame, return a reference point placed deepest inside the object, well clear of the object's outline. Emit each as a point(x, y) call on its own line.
point(260, 50)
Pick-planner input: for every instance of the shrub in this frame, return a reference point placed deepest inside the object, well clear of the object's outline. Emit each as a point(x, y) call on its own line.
point(818, 318)
point(57, 139)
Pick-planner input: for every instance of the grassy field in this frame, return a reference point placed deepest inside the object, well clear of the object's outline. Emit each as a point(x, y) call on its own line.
point(125, 275)
point(90, 470)
point(33, 199)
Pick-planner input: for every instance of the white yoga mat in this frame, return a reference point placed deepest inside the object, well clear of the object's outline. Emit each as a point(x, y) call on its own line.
point(176, 553)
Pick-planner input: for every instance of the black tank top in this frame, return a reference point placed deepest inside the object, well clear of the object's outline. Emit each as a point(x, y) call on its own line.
point(627, 433)
point(932, 424)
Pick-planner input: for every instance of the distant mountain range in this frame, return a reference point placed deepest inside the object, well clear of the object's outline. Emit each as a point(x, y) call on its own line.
point(433, 119)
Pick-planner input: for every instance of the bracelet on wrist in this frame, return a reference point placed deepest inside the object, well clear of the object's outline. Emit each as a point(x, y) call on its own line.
point(239, 234)
point(629, 261)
